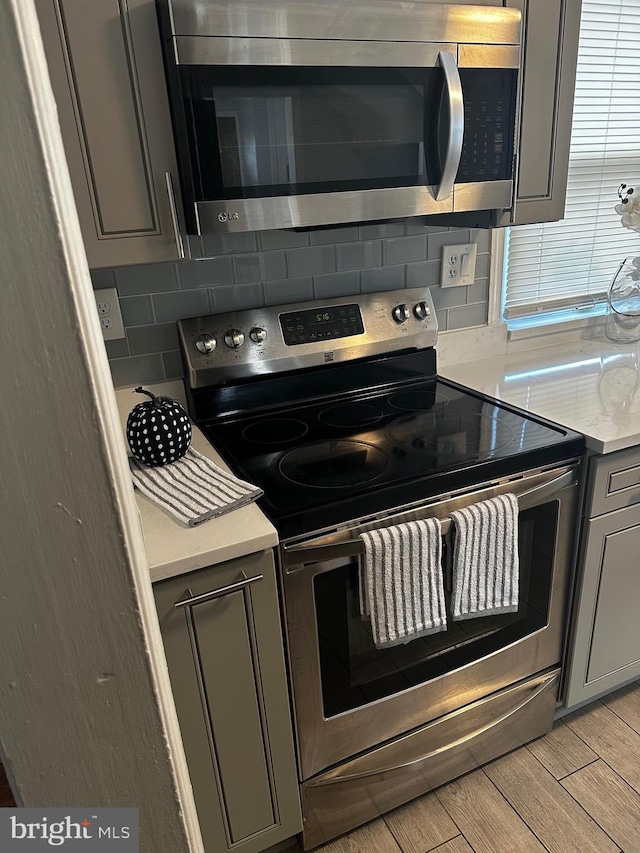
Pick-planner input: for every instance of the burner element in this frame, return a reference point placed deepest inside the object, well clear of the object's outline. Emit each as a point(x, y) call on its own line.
point(334, 464)
point(276, 431)
point(418, 401)
point(350, 415)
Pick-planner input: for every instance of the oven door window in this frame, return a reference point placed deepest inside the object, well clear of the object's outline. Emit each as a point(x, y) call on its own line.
point(312, 130)
point(354, 672)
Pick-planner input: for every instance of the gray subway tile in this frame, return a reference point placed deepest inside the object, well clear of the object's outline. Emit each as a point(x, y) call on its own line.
point(415, 225)
point(436, 229)
point(147, 278)
point(235, 297)
point(144, 340)
point(173, 366)
point(206, 273)
point(179, 304)
point(449, 297)
point(403, 250)
point(226, 244)
point(441, 317)
point(482, 266)
point(117, 349)
point(137, 370)
point(282, 239)
point(289, 290)
point(104, 277)
point(478, 292)
point(136, 310)
point(248, 268)
point(265, 266)
point(195, 245)
point(357, 256)
point(468, 315)
point(311, 260)
point(482, 238)
point(423, 274)
point(337, 284)
point(378, 230)
point(455, 237)
point(382, 278)
point(331, 236)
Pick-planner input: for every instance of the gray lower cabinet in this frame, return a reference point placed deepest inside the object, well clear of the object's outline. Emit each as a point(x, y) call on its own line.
point(226, 663)
point(106, 69)
point(605, 644)
point(551, 32)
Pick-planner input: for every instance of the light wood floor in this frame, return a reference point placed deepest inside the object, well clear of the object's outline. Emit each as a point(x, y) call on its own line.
point(576, 790)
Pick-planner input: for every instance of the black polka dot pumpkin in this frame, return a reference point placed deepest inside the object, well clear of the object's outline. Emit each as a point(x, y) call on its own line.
point(158, 430)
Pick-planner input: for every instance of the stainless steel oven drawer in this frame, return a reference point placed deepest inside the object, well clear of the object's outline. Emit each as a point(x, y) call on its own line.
point(382, 779)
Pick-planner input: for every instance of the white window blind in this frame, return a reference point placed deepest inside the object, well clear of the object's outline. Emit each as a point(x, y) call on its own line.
point(571, 263)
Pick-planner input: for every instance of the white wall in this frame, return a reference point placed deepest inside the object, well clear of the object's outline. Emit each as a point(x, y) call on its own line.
point(83, 696)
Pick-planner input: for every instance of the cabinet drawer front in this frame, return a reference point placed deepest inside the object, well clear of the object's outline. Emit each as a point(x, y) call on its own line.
point(615, 481)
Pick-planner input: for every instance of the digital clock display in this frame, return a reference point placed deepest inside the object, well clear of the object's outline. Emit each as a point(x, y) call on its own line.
point(321, 324)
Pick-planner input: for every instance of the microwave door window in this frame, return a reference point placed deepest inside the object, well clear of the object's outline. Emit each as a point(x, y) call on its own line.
point(256, 140)
point(308, 130)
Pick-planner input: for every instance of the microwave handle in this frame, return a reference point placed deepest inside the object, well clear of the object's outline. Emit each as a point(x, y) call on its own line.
point(456, 127)
point(298, 556)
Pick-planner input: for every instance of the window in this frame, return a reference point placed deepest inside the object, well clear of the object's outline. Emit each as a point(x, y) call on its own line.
point(570, 264)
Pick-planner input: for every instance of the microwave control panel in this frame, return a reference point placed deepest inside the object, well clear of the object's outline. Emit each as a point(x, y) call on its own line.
point(487, 152)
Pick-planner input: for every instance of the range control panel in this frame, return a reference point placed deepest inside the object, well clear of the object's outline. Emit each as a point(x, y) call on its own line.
point(318, 324)
point(220, 347)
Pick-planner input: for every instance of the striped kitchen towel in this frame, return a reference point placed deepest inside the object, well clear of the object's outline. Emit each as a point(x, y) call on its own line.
point(485, 558)
point(401, 582)
point(193, 489)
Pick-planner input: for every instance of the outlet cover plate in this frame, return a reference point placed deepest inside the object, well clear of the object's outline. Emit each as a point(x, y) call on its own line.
point(458, 265)
point(108, 307)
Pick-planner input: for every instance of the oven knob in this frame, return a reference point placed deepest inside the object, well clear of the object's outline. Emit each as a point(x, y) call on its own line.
point(400, 314)
point(421, 311)
point(206, 343)
point(258, 335)
point(234, 338)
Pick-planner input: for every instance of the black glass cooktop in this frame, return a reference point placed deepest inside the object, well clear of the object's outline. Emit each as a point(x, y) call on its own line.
point(331, 460)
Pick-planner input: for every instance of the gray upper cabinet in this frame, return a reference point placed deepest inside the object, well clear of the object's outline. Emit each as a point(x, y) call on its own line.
point(105, 64)
point(551, 33)
point(605, 644)
point(226, 663)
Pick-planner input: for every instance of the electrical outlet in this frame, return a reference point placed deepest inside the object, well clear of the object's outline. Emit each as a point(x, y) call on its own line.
point(458, 265)
point(109, 312)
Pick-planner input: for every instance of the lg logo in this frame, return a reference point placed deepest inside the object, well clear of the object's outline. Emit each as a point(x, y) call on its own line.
point(228, 217)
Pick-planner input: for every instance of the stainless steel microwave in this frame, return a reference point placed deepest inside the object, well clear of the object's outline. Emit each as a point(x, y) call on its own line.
point(292, 113)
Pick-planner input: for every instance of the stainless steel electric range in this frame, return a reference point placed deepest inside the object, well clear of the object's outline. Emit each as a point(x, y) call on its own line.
point(335, 409)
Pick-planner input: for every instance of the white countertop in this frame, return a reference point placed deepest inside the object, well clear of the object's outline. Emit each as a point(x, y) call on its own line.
point(173, 549)
point(592, 387)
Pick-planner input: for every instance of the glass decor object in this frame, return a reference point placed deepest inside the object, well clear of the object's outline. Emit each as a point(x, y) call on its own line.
point(623, 303)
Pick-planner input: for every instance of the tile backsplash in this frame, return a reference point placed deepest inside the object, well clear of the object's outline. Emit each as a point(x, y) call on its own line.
point(275, 267)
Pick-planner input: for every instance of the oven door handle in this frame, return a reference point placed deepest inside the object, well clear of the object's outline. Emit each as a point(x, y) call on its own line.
point(299, 555)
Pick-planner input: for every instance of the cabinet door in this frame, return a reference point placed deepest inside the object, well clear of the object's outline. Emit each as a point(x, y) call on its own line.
point(226, 666)
point(550, 29)
point(605, 649)
point(106, 70)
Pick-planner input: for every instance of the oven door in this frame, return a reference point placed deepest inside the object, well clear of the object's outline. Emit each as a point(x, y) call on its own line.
point(350, 696)
point(277, 133)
